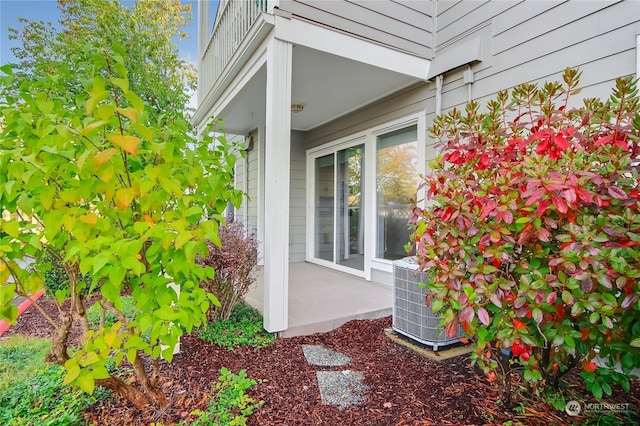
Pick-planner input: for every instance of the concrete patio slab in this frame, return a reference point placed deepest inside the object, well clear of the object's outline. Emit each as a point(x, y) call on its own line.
point(322, 299)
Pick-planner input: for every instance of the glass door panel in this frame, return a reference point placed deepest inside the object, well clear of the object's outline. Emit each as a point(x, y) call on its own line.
point(349, 217)
point(324, 207)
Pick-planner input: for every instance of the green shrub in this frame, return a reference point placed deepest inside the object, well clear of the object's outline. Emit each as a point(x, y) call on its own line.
point(43, 400)
point(243, 328)
point(20, 356)
point(94, 312)
point(231, 405)
point(531, 237)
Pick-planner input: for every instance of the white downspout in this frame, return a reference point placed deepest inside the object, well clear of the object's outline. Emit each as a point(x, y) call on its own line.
point(637, 55)
point(439, 81)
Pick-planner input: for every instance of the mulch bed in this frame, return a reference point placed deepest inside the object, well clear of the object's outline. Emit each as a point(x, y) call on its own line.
point(404, 388)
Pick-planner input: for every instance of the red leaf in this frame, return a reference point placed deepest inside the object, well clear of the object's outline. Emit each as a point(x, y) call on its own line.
point(447, 214)
point(552, 297)
point(591, 366)
point(535, 197)
point(543, 234)
point(559, 204)
point(467, 314)
point(519, 325)
point(570, 195)
point(584, 195)
point(483, 316)
point(542, 207)
point(617, 193)
point(603, 140)
point(561, 142)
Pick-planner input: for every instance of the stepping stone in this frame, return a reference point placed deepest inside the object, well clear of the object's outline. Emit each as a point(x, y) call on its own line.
point(319, 355)
point(341, 388)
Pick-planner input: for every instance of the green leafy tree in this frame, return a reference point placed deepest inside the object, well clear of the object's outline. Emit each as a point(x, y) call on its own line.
point(116, 192)
point(145, 29)
point(532, 240)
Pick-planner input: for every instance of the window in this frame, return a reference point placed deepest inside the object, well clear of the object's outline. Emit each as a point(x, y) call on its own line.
point(397, 178)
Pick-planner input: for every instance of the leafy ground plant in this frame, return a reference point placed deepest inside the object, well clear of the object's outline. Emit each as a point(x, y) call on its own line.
point(19, 357)
point(41, 399)
point(532, 236)
point(231, 406)
point(243, 328)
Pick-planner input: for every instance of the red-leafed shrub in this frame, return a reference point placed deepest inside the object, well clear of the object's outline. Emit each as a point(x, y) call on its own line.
point(234, 262)
point(532, 234)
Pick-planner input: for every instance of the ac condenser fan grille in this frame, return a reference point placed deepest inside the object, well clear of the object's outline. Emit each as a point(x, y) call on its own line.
point(411, 315)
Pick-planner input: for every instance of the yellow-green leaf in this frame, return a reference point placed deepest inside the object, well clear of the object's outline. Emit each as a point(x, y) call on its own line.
point(135, 100)
point(183, 238)
point(11, 227)
point(131, 355)
point(124, 197)
point(92, 126)
point(94, 99)
point(99, 372)
point(109, 338)
point(73, 371)
point(128, 143)
point(144, 131)
point(130, 113)
point(90, 358)
point(104, 156)
point(90, 218)
point(122, 83)
point(86, 382)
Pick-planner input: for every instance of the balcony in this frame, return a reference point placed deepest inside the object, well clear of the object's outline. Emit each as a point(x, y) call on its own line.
point(233, 21)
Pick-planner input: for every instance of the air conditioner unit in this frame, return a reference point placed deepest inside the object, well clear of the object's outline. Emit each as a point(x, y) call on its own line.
point(411, 315)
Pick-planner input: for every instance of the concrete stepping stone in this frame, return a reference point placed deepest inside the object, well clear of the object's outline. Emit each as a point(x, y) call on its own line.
point(341, 388)
point(319, 355)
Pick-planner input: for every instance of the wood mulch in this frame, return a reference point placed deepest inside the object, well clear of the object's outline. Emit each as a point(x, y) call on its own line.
point(404, 388)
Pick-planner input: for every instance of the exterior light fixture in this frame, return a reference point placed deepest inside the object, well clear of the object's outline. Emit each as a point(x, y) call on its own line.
point(296, 108)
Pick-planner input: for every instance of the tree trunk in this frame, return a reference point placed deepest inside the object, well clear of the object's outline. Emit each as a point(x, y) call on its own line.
point(151, 387)
point(133, 395)
point(58, 354)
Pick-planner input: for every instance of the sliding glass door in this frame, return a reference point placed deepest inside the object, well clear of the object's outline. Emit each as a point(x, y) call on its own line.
point(339, 207)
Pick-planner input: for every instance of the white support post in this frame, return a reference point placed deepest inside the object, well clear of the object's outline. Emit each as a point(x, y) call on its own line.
point(276, 174)
point(203, 39)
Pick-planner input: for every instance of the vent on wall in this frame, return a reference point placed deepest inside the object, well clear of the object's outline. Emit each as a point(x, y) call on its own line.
point(411, 315)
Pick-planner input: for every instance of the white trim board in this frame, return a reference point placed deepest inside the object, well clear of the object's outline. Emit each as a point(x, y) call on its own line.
point(303, 33)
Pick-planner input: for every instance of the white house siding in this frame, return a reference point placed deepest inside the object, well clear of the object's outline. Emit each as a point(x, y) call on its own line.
point(534, 41)
point(297, 197)
point(404, 25)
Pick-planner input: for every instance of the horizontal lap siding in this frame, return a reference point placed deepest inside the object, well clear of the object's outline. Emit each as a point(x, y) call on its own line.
point(404, 25)
point(406, 102)
point(534, 41)
point(297, 199)
point(528, 41)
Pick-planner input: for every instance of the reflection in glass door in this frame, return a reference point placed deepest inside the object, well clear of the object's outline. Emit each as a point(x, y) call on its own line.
point(339, 206)
point(350, 223)
point(324, 205)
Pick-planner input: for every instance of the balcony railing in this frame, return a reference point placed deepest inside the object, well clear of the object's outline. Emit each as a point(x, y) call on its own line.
point(233, 22)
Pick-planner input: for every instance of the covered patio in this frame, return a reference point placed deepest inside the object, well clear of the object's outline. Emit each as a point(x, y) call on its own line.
point(321, 299)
